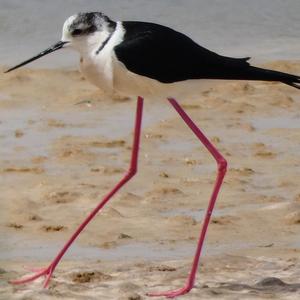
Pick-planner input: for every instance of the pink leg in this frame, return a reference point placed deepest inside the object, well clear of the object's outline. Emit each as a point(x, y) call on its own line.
point(130, 173)
point(222, 166)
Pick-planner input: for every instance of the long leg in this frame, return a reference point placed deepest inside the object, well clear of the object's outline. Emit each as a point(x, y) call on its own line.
point(130, 173)
point(222, 167)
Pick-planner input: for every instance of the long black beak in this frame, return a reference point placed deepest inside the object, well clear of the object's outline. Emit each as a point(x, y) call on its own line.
point(53, 48)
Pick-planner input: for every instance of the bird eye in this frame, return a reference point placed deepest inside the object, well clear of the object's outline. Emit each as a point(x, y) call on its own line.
point(77, 32)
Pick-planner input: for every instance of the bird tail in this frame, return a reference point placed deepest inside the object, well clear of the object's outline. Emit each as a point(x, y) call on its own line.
point(254, 73)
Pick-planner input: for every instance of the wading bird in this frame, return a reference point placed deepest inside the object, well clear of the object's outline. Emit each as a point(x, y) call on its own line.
point(145, 59)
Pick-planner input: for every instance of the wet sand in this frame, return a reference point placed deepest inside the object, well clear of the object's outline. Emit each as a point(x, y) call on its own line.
point(63, 146)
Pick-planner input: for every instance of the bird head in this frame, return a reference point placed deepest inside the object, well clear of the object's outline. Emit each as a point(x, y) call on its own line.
point(82, 32)
point(85, 31)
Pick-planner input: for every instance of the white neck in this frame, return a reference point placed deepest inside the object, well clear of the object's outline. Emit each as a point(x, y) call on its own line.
point(90, 44)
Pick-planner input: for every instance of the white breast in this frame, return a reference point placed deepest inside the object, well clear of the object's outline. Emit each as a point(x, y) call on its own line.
point(98, 68)
point(106, 72)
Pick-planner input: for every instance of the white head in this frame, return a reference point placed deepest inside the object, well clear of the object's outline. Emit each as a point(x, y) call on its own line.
point(82, 32)
point(85, 31)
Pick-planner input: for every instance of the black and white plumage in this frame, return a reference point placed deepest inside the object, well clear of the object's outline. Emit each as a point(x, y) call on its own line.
point(136, 58)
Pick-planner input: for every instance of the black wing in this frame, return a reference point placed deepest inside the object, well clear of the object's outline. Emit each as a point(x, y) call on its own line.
point(168, 56)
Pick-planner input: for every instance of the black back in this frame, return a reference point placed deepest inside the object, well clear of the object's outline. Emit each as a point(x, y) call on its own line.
point(168, 56)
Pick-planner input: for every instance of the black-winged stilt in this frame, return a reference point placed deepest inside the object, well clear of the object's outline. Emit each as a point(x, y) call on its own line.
point(144, 59)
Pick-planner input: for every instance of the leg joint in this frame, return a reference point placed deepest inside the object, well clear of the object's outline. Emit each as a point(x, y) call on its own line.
point(222, 165)
point(132, 171)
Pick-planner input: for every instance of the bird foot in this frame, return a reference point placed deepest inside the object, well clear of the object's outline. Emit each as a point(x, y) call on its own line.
point(47, 272)
point(33, 270)
point(171, 294)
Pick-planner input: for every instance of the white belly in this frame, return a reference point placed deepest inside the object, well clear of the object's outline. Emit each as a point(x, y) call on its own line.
point(131, 84)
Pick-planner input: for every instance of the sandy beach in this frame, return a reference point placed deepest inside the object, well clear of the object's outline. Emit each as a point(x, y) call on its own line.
point(64, 145)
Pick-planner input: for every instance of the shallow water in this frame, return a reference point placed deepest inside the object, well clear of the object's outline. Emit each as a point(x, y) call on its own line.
point(39, 136)
point(266, 30)
point(285, 122)
point(16, 247)
point(198, 215)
